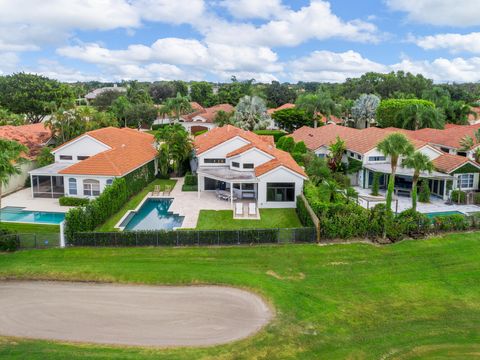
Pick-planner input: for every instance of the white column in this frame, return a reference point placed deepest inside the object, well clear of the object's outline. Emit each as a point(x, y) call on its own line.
point(231, 194)
point(31, 184)
point(199, 185)
point(62, 234)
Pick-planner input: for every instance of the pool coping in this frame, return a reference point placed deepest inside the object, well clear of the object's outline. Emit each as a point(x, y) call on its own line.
point(148, 196)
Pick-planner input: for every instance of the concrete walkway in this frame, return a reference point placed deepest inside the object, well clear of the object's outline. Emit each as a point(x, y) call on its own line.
point(188, 204)
point(130, 315)
point(23, 198)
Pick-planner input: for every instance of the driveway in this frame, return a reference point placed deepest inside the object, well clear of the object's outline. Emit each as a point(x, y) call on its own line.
point(130, 315)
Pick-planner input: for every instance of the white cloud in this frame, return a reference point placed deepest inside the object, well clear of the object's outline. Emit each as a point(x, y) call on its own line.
point(459, 13)
point(290, 28)
point(170, 11)
point(251, 9)
point(332, 67)
point(55, 70)
point(8, 62)
point(452, 42)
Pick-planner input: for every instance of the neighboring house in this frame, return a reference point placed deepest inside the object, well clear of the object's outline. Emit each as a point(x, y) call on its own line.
point(165, 119)
point(84, 166)
point(282, 107)
point(452, 171)
point(203, 119)
point(93, 94)
point(249, 166)
point(34, 137)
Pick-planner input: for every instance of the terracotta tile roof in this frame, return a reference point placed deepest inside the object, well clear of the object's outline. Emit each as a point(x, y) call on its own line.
point(333, 118)
point(282, 107)
point(33, 136)
point(129, 150)
point(209, 113)
point(448, 137)
point(448, 162)
point(219, 135)
point(471, 117)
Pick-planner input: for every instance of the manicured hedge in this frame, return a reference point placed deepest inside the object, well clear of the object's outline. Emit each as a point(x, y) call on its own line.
point(277, 134)
point(186, 187)
point(72, 201)
point(302, 213)
point(97, 211)
point(458, 196)
point(388, 109)
point(191, 179)
point(158, 126)
point(8, 242)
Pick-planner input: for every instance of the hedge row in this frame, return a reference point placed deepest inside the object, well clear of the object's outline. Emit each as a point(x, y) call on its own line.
point(460, 197)
point(303, 214)
point(111, 200)
point(277, 134)
point(388, 109)
point(73, 201)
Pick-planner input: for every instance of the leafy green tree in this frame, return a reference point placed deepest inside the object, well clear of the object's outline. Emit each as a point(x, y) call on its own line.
point(317, 104)
point(104, 100)
point(142, 114)
point(9, 118)
point(33, 95)
point(364, 110)
point(120, 107)
point(394, 146)
point(468, 142)
point(180, 87)
point(163, 159)
point(178, 145)
point(11, 156)
point(388, 110)
point(418, 116)
point(418, 162)
point(231, 93)
point(177, 106)
point(223, 118)
point(278, 94)
point(251, 113)
point(45, 157)
point(316, 169)
point(138, 93)
point(337, 150)
point(291, 119)
point(351, 194)
point(288, 144)
point(300, 148)
point(201, 92)
point(162, 90)
point(330, 190)
point(376, 184)
point(424, 196)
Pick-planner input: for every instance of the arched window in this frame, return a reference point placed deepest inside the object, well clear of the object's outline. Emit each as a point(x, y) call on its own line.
point(91, 187)
point(72, 186)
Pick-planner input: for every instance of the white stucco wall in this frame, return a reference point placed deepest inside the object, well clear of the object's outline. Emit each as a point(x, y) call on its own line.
point(84, 146)
point(430, 152)
point(252, 156)
point(16, 182)
point(221, 151)
point(279, 175)
point(80, 179)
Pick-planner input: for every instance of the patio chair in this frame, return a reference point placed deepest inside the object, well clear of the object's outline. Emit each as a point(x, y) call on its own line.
point(238, 209)
point(252, 209)
point(156, 190)
point(167, 190)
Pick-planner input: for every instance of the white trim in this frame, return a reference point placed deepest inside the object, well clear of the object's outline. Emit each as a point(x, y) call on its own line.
point(286, 168)
point(249, 150)
point(78, 139)
point(465, 163)
point(440, 152)
point(222, 143)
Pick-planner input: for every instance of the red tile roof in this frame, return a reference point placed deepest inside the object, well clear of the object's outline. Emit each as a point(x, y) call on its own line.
point(219, 135)
point(209, 113)
point(448, 162)
point(282, 107)
point(33, 136)
point(129, 150)
point(448, 137)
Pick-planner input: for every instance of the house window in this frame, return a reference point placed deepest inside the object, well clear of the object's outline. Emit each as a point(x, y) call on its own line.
point(248, 187)
point(447, 150)
point(109, 181)
point(91, 187)
point(66, 157)
point(465, 181)
point(248, 166)
point(235, 164)
point(359, 157)
point(462, 153)
point(280, 192)
point(376, 158)
point(214, 161)
point(321, 156)
point(72, 186)
point(82, 157)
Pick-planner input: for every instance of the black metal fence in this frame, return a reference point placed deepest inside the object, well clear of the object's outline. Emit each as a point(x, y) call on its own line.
point(35, 241)
point(193, 237)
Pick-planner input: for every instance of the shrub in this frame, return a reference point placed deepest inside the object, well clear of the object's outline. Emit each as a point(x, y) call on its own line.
point(299, 158)
point(72, 201)
point(388, 109)
point(424, 194)
point(459, 197)
point(281, 142)
point(191, 179)
point(413, 224)
point(289, 144)
point(97, 211)
point(186, 187)
point(200, 132)
point(302, 213)
point(342, 180)
point(277, 134)
point(376, 184)
point(300, 148)
point(9, 242)
point(451, 223)
point(476, 198)
point(158, 126)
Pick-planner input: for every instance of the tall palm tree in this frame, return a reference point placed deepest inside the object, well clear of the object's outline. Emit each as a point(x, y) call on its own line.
point(330, 189)
point(178, 146)
point(418, 162)
point(11, 156)
point(468, 142)
point(395, 146)
point(319, 103)
point(337, 149)
point(418, 116)
point(251, 113)
point(177, 106)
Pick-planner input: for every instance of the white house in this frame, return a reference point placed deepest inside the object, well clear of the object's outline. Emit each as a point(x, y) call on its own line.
point(84, 166)
point(452, 171)
point(248, 166)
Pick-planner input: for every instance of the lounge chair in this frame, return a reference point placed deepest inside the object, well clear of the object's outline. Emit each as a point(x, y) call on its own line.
point(156, 190)
point(252, 209)
point(167, 190)
point(238, 209)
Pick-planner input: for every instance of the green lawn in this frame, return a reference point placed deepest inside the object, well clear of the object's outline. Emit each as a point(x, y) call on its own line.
point(269, 218)
point(109, 225)
point(30, 228)
point(411, 300)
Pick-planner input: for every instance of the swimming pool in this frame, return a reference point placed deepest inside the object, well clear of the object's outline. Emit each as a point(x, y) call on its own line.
point(153, 215)
point(17, 214)
point(443, 213)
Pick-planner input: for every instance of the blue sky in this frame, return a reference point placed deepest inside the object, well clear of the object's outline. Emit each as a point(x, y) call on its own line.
point(303, 40)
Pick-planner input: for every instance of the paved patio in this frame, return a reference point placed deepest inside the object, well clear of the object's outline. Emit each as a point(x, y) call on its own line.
point(23, 198)
point(404, 203)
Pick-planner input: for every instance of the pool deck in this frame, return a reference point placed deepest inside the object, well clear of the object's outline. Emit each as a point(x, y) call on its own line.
point(23, 198)
point(404, 203)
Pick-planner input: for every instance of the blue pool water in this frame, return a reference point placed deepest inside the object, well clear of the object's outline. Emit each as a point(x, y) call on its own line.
point(13, 214)
point(153, 215)
point(443, 213)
